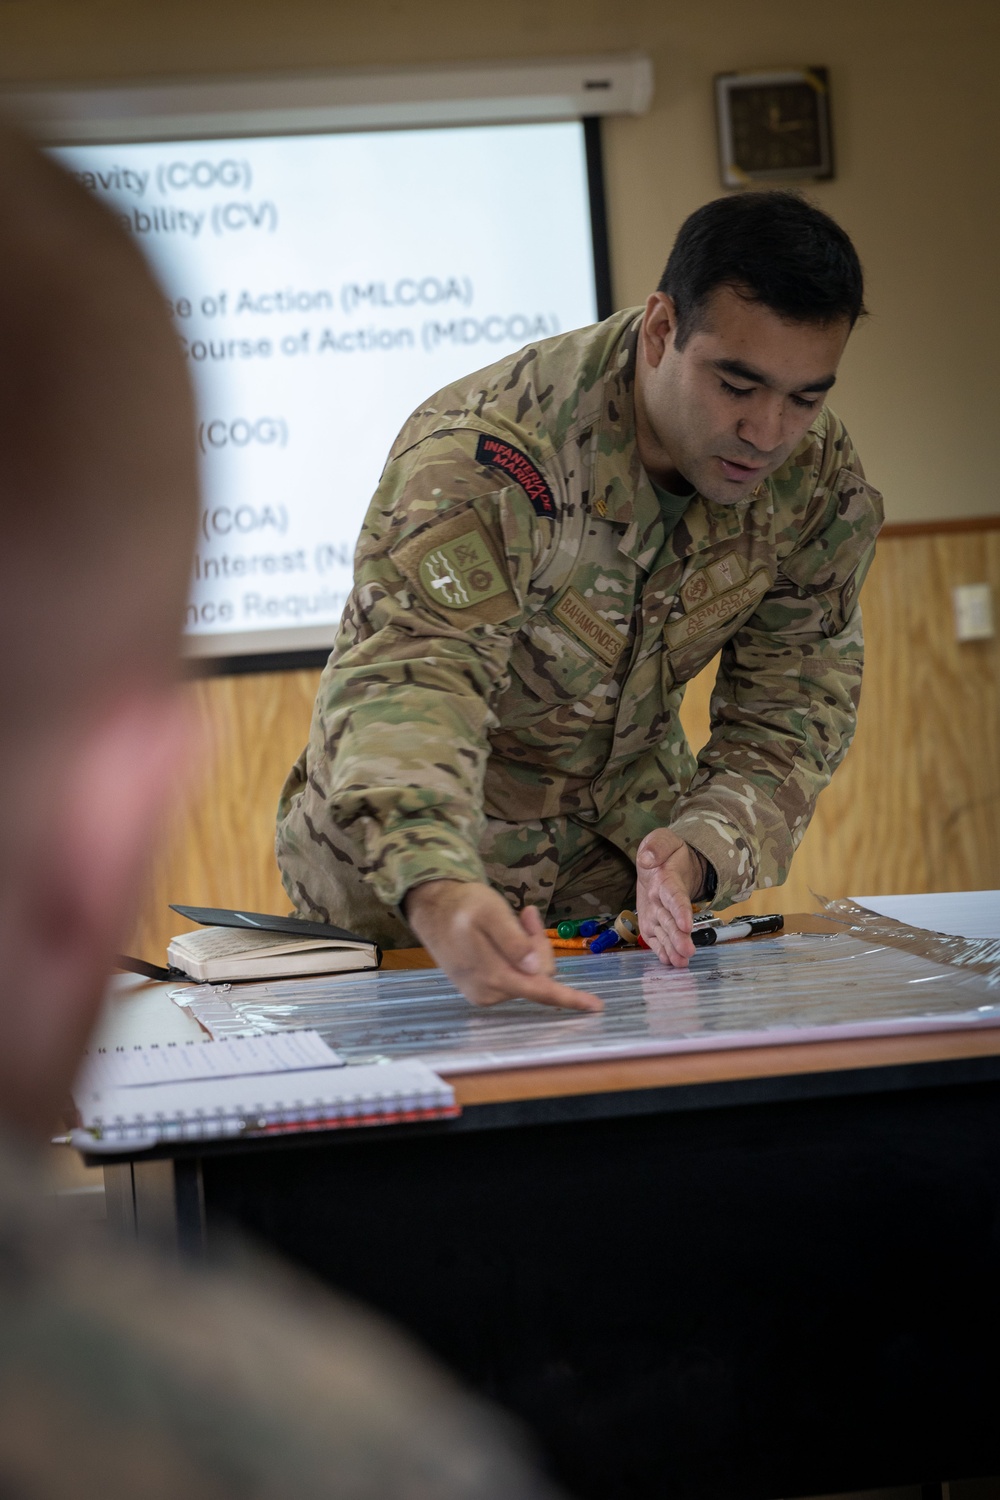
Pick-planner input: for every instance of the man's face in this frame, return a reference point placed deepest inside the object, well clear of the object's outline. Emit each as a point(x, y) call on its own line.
point(729, 408)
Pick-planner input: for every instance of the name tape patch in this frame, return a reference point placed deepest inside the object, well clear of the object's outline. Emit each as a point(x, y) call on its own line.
point(589, 628)
point(716, 611)
point(461, 572)
point(518, 466)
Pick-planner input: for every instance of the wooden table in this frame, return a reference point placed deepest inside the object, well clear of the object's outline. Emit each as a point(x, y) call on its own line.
point(772, 1271)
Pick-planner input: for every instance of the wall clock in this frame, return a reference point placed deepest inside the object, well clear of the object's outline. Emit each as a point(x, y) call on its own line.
point(774, 127)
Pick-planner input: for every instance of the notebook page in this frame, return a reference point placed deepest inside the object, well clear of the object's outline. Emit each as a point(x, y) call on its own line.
point(234, 1057)
point(229, 942)
point(212, 1108)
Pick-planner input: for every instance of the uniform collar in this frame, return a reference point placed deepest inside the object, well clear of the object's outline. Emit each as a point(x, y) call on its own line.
point(623, 494)
point(704, 524)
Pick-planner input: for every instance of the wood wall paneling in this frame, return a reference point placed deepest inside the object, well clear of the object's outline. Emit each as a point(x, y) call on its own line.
point(915, 806)
point(219, 847)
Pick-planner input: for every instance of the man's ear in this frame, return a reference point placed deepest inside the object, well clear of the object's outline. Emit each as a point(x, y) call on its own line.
point(104, 797)
point(659, 327)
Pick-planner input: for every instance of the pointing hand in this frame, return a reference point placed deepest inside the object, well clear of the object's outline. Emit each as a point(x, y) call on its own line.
point(490, 952)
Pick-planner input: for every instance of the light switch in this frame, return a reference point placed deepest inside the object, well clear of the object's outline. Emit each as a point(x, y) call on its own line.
point(973, 612)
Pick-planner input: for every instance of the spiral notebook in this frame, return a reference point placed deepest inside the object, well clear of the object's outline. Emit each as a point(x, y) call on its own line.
point(247, 1086)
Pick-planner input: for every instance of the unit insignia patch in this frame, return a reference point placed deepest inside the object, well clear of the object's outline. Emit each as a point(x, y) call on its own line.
point(696, 590)
point(461, 572)
point(518, 466)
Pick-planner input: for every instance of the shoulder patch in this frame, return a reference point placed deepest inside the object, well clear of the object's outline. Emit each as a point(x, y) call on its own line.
point(455, 567)
point(461, 572)
point(518, 466)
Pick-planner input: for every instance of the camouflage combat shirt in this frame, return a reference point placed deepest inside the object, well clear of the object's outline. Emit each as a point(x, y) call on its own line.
point(521, 629)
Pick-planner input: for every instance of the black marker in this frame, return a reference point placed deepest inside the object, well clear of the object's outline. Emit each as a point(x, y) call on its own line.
point(744, 927)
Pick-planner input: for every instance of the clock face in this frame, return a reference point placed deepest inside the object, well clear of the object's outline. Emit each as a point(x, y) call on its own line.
point(777, 125)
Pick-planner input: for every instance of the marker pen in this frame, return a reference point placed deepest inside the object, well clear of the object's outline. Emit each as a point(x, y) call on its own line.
point(704, 937)
point(591, 926)
point(572, 927)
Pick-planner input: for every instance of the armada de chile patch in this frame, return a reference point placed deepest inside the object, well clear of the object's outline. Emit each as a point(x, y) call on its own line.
point(500, 455)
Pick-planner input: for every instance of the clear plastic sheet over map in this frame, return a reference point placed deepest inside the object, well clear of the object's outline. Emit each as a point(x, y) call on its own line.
point(981, 954)
point(792, 988)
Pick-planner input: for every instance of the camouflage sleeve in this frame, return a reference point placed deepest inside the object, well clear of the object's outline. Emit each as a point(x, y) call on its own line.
point(441, 573)
point(785, 703)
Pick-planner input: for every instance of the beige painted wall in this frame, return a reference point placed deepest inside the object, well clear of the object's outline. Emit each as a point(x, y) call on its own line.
point(917, 125)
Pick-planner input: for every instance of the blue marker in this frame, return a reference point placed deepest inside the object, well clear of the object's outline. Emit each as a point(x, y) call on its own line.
point(592, 926)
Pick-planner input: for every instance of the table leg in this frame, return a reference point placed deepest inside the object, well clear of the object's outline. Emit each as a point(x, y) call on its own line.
point(160, 1203)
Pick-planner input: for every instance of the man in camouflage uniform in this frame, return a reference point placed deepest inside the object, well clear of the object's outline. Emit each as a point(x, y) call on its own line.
point(557, 545)
point(125, 1375)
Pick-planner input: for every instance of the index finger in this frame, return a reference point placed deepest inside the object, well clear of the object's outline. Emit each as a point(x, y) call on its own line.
point(542, 988)
point(563, 996)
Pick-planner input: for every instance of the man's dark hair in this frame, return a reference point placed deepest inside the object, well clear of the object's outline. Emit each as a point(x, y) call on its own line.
point(774, 248)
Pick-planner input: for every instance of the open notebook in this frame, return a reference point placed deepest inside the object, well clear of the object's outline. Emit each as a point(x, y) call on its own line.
point(245, 1086)
point(240, 945)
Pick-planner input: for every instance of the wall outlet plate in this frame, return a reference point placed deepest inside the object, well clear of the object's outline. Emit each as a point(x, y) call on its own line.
point(973, 612)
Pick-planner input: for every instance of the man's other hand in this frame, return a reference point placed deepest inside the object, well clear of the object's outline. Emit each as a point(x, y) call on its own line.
point(669, 873)
point(490, 953)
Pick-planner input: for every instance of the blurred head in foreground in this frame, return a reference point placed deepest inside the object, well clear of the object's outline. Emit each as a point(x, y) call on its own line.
point(97, 507)
point(123, 1374)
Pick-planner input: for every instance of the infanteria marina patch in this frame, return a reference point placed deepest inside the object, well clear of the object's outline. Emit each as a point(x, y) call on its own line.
point(589, 628)
point(461, 572)
point(518, 466)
